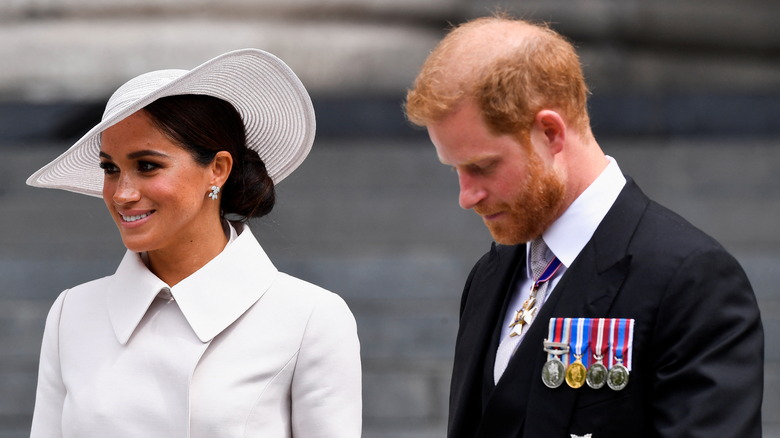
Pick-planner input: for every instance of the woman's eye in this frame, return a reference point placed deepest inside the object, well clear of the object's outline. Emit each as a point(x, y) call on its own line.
point(145, 166)
point(108, 168)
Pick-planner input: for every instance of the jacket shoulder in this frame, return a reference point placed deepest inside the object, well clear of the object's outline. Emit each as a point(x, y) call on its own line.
point(86, 290)
point(664, 232)
point(648, 228)
point(300, 297)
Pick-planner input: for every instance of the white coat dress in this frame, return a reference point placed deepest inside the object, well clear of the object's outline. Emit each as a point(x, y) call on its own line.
point(240, 350)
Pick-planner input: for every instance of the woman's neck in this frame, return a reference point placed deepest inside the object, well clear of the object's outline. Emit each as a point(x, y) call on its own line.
point(173, 265)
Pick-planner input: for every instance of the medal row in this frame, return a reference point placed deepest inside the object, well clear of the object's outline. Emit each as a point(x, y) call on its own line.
point(601, 349)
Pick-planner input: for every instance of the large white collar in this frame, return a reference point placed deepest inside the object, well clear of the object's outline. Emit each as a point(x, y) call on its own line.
point(211, 299)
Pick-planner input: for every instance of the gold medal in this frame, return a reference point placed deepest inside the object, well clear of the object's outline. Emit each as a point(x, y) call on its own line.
point(579, 341)
point(575, 374)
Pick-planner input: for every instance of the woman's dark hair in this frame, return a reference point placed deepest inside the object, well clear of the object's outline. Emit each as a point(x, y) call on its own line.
point(205, 125)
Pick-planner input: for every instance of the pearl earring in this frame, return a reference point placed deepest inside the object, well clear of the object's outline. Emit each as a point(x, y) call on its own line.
point(214, 193)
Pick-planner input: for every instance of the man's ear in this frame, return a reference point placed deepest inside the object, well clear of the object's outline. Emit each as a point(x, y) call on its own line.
point(551, 125)
point(221, 166)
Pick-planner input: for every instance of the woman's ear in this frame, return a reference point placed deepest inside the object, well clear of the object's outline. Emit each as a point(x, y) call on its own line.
point(220, 167)
point(551, 125)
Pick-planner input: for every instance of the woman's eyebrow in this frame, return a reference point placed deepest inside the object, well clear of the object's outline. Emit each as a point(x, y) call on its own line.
point(145, 153)
point(137, 154)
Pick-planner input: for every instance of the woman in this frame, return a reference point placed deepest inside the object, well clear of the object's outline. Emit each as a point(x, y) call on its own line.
point(196, 334)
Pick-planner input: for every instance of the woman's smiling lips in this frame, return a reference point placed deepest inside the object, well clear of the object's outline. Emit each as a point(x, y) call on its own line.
point(135, 218)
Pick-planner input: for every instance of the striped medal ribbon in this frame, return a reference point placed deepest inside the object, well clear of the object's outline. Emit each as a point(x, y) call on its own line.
point(580, 339)
point(621, 339)
point(596, 376)
point(557, 347)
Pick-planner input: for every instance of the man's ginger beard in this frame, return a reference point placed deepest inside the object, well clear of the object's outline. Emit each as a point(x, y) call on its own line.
point(536, 205)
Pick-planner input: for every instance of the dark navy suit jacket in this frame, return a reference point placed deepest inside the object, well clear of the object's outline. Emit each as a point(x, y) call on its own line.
point(698, 341)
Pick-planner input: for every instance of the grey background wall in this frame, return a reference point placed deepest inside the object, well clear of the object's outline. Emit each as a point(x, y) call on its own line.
point(686, 95)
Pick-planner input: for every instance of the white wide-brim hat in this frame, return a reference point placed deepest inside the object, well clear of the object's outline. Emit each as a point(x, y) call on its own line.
point(277, 112)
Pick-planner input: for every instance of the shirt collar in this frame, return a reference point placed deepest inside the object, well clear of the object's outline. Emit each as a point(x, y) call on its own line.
point(211, 299)
point(571, 232)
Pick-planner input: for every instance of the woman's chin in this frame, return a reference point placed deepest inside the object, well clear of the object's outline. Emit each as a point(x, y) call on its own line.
point(136, 245)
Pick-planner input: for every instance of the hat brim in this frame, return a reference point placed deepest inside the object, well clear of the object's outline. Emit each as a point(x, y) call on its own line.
point(276, 109)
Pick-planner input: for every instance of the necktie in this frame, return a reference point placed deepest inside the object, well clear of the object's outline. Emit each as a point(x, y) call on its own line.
point(524, 316)
point(538, 259)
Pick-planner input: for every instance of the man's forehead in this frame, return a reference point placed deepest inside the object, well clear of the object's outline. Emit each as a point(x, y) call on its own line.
point(475, 48)
point(465, 154)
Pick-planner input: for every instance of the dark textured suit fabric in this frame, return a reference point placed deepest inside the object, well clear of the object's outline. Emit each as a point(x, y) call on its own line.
point(697, 350)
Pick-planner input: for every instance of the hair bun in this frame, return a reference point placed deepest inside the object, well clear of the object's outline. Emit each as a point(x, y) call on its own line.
point(249, 191)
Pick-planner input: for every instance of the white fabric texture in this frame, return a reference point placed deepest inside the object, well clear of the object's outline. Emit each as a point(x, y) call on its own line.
point(242, 350)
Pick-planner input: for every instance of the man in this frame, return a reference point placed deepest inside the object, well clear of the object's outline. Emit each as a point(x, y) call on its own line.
point(662, 317)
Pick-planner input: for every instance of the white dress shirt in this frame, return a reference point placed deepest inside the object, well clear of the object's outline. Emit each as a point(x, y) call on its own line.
point(241, 350)
point(567, 236)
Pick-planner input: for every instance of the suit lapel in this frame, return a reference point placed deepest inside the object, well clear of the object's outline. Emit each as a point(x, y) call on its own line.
point(587, 289)
point(495, 337)
point(480, 311)
point(486, 297)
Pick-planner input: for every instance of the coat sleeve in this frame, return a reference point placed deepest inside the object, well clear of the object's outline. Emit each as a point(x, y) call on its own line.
point(326, 387)
point(709, 366)
point(50, 395)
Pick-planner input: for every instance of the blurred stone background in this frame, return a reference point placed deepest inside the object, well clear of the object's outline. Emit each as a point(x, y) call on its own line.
point(686, 96)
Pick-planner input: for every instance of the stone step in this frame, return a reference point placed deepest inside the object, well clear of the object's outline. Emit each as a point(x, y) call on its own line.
point(86, 59)
point(30, 10)
point(681, 24)
point(716, 23)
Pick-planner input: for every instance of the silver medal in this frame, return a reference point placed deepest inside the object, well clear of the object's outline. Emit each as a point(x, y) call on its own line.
point(553, 373)
point(617, 378)
point(596, 376)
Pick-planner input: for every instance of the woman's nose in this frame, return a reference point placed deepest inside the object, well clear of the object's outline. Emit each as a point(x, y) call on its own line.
point(125, 191)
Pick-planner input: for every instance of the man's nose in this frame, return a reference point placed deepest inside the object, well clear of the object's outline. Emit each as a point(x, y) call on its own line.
point(471, 193)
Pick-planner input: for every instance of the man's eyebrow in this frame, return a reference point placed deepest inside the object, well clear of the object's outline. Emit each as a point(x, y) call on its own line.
point(476, 161)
